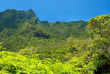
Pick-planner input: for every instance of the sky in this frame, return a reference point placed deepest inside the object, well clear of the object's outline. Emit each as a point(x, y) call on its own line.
point(60, 10)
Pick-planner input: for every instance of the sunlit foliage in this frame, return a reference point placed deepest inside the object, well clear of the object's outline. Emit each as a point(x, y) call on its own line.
point(31, 46)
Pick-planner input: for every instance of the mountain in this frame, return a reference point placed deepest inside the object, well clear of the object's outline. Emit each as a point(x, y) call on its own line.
point(20, 28)
point(11, 18)
point(65, 29)
point(31, 46)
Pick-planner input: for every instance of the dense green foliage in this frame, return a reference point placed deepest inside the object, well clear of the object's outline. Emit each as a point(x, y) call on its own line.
point(31, 46)
point(65, 29)
point(23, 29)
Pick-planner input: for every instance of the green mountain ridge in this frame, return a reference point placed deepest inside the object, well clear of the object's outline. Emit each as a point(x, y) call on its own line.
point(24, 25)
point(11, 18)
point(31, 46)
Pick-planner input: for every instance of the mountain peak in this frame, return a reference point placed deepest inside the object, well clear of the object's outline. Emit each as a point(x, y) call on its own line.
point(31, 12)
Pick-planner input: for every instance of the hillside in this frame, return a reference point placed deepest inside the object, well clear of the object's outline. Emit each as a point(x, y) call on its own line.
point(31, 46)
point(65, 29)
point(20, 28)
